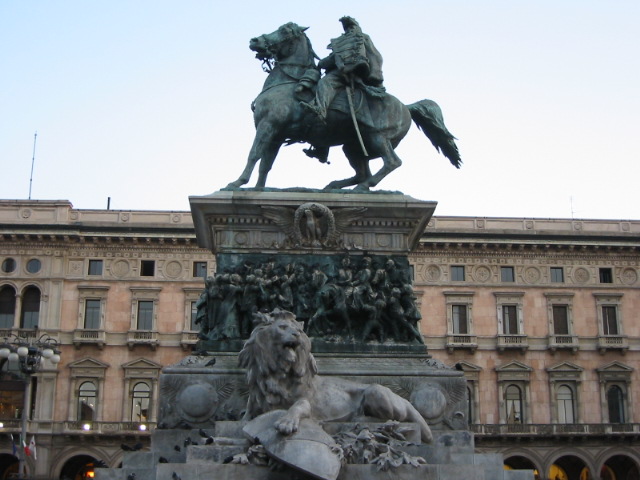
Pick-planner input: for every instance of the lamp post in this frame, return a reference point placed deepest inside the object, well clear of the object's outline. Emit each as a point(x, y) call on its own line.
point(27, 353)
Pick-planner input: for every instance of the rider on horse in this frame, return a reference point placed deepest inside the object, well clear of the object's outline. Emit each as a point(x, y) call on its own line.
point(354, 55)
point(354, 60)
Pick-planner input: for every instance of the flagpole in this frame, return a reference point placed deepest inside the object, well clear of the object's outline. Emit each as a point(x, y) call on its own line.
point(33, 161)
point(22, 469)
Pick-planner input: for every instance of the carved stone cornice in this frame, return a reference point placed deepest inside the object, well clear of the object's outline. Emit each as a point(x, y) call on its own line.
point(243, 221)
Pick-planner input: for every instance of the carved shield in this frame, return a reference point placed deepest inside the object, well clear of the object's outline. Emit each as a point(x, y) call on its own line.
point(309, 450)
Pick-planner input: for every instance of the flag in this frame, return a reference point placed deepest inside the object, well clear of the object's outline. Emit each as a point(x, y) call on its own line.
point(32, 447)
point(13, 446)
point(27, 452)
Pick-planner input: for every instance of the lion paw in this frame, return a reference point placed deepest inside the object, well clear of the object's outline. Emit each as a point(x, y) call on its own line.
point(287, 425)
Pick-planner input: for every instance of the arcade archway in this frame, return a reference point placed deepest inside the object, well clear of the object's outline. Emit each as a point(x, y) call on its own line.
point(518, 462)
point(80, 467)
point(8, 466)
point(569, 467)
point(620, 467)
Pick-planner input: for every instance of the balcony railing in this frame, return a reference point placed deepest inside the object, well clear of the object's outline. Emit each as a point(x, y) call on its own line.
point(107, 428)
point(461, 341)
point(89, 336)
point(142, 337)
point(20, 332)
point(188, 339)
point(569, 429)
point(612, 342)
point(512, 341)
point(563, 342)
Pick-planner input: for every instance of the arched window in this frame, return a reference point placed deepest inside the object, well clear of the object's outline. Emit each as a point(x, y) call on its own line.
point(87, 399)
point(565, 405)
point(140, 402)
point(615, 401)
point(513, 404)
point(30, 308)
point(7, 306)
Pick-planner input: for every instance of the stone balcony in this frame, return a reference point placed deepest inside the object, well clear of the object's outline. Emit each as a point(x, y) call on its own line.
point(612, 342)
point(491, 431)
point(83, 336)
point(566, 342)
point(105, 428)
point(188, 339)
point(461, 341)
point(142, 337)
point(20, 332)
point(506, 342)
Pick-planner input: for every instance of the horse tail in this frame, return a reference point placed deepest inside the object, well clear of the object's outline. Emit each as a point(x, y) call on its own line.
point(428, 117)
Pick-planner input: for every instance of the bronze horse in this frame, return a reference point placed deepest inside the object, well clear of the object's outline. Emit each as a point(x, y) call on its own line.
point(280, 119)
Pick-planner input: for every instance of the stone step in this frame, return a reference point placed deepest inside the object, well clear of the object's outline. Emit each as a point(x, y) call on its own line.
point(229, 429)
point(125, 473)
point(518, 475)
point(139, 460)
point(348, 472)
point(213, 453)
point(217, 471)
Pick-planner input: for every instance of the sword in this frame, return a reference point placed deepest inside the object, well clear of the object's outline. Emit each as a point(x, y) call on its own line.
point(353, 114)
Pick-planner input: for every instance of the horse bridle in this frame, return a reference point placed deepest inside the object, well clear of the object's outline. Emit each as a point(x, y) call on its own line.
point(269, 58)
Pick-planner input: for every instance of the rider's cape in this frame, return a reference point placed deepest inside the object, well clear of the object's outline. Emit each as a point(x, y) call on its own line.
point(355, 53)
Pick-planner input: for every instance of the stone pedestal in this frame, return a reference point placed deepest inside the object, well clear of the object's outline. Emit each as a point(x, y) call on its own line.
point(342, 256)
point(275, 237)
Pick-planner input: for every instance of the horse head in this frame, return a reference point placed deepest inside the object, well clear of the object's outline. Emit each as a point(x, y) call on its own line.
point(278, 45)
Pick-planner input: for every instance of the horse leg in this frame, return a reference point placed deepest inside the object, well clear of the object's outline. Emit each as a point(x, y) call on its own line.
point(358, 162)
point(390, 159)
point(261, 142)
point(268, 157)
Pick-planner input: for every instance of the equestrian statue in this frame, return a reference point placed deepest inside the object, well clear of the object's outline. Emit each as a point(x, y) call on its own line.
point(348, 106)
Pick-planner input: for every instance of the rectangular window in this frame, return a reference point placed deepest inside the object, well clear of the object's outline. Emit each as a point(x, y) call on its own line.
point(459, 318)
point(147, 268)
point(606, 275)
point(610, 320)
point(557, 275)
point(11, 399)
point(510, 319)
point(457, 273)
point(507, 274)
point(200, 269)
point(194, 314)
point(560, 320)
point(95, 267)
point(145, 315)
point(92, 314)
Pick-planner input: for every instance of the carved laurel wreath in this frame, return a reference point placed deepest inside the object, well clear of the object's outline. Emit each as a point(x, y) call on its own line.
point(321, 211)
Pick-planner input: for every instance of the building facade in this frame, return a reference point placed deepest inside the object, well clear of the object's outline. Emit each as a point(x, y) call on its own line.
point(541, 314)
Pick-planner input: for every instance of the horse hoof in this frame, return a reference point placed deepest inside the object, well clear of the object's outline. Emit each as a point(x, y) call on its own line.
point(361, 188)
point(235, 184)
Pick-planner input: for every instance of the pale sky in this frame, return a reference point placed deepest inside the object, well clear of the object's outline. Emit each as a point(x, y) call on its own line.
point(148, 101)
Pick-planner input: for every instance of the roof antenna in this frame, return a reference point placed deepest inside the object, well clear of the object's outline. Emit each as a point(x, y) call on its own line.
point(33, 161)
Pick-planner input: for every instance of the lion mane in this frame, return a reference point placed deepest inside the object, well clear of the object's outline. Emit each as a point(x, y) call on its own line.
point(279, 363)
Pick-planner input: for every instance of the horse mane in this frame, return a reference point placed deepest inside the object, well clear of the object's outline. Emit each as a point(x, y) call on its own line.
point(297, 30)
point(312, 54)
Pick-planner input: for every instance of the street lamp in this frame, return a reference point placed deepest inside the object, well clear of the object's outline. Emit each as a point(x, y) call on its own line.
point(28, 352)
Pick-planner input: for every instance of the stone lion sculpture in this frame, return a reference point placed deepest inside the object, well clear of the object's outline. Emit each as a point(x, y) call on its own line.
point(282, 374)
